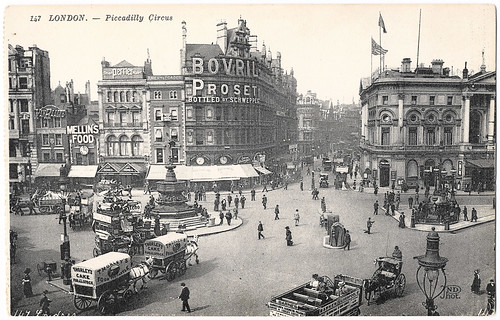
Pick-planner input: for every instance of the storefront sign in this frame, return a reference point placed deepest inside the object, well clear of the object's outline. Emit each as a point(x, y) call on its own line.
point(49, 112)
point(122, 73)
point(83, 134)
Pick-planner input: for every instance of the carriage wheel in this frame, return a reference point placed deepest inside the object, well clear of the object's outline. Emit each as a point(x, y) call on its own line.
point(356, 312)
point(182, 268)
point(171, 271)
point(152, 273)
point(81, 303)
point(106, 302)
point(40, 269)
point(127, 296)
point(400, 285)
point(95, 252)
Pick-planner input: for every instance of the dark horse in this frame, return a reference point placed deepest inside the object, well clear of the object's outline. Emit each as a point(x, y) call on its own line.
point(373, 286)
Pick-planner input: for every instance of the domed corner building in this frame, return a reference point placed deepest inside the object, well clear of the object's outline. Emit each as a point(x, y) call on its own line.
point(427, 127)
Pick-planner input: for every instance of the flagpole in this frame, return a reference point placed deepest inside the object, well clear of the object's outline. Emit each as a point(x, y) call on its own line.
point(371, 61)
point(418, 43)
point(380, 42)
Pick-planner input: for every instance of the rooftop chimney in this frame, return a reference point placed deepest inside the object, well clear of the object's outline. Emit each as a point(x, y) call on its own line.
point(406, 65)
point(437, 66)
point(465, 72)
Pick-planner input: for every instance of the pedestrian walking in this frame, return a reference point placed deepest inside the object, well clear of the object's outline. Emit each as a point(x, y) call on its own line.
point(347, 240)
point(260, 228)
point(13, 246)
point(229, 216)
point(288, 236)
point(416, 197)
point(301, 185)
point(235, 213)
point(216, 204)
point(184, 297)
point(276, 212)
point(229, 200)
point(473, 217)
point(393, 209)
point(369, 225)
point(236, 201)
point(223, 204)
point(286, 184)
point(27, 288)
point(265, 187)
point(242, 200)
point(31, 206)
point(476, 282)
point(252, 194)
point(296, 217)
point(221, 216)
point(264, 201)
point(240, 190)
point(410, 202)
point(45, 303)
point(402, 223)
point(466, 218)
point(375, 208)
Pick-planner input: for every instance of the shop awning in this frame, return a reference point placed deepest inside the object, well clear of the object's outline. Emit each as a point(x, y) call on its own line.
point(82, 171)
point(48, 170)
point(482, 163)
point(158, 172)
point(249, 171)
point(262, 170)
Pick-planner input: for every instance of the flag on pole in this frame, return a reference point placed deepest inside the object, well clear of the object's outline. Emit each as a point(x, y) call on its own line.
point(381, 23)
point(377, 49)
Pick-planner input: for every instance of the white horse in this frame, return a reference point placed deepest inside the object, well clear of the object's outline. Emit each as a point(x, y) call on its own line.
point(192, 250)
point(139, 275)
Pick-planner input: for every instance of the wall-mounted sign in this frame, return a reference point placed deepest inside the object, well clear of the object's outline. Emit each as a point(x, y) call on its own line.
point(122, 73)
point(83, 134)
point(49, 112)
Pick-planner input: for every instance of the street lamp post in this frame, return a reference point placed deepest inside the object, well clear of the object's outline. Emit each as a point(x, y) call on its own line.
point(453, 176)
point(436, 174)
point(430, 266)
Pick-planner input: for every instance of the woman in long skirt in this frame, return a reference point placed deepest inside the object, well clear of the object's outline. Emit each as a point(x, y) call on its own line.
point(28, 290)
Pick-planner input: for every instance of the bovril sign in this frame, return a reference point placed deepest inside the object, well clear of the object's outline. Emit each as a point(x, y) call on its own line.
point(82, 135)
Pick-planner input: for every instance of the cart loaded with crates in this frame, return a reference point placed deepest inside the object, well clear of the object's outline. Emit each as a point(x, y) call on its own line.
point(108, 280)
point(169, 254)
point(340, 296)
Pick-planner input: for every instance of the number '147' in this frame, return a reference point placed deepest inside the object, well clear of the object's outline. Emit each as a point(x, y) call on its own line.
point(35, 18)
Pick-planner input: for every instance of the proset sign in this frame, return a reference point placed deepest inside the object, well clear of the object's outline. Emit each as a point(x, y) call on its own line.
point(82, 135)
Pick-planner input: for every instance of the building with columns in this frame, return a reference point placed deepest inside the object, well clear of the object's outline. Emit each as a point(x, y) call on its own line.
point(29, 92)
point(124, 129)
point(428, 127)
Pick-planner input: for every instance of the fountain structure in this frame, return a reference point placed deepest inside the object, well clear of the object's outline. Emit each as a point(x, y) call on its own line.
point(171, 205)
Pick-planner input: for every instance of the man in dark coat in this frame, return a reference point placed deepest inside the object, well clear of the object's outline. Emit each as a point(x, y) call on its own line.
point(276, 212)
point(347, 240)
point(252, 193)
point(375, 207)
point(184, 296)
point(473, 217)
point(288, 236)
point(260, 228)
point(229, 216)
point(229, 200)
point(44, 303)
point(242, 200)
point(221, 216)
point(466, 218)
point(264, 201)
point(369, 224)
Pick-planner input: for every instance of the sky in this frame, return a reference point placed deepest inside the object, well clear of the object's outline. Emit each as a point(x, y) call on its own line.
point(327, 45)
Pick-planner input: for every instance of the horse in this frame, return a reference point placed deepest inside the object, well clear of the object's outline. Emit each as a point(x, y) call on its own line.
point(191, 250)
point(139, 275)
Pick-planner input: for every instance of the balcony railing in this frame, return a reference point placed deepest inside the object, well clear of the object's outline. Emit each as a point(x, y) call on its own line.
point(123, 125)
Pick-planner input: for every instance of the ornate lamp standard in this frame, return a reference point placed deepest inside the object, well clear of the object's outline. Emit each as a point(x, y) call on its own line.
point(453, 176)
point(428, 272)
point(436, 174)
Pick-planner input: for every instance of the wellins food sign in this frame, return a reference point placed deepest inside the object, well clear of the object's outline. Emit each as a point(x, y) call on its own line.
point(206, 92)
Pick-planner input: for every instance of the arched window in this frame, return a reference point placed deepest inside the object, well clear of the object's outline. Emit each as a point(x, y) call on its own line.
point(115, 96)
point(112, 146)
point(124, 146)
point(137, 145)
point(122, 96)
point(128, 96)
point(412, 169)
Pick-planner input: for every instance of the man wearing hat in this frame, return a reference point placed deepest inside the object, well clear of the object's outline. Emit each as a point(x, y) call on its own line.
point(44, 303)
point(185, 297)
point(369, 224)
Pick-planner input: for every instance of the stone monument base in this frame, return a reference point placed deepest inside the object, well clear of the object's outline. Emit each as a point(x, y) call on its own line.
point(326, 243)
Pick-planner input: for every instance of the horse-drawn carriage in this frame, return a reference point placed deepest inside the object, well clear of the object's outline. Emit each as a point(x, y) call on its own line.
point(169, 254)
point(387, 279)
point(323, 180)
point(108, 279)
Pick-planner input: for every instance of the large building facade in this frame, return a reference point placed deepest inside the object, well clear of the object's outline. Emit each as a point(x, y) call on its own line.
point(29, 93)
point(124, 126)
point(239, 105)
point(428, 127)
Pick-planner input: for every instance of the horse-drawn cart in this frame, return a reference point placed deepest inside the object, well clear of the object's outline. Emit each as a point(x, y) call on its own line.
point(341, 296)
point(169, 254)
point(387, 279)
point(108, 279)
